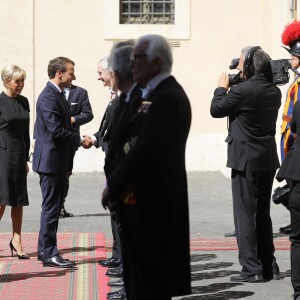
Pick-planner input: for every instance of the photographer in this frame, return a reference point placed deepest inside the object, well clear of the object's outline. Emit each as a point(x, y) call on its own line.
point(252, 107)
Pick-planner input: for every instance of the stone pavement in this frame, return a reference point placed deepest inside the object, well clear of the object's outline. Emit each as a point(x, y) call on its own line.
point(210, 217)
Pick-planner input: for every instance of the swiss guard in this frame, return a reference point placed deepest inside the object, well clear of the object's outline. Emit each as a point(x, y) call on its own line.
point(291, 38)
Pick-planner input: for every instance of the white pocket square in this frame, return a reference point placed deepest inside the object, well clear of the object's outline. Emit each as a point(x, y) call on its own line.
point(73, 103)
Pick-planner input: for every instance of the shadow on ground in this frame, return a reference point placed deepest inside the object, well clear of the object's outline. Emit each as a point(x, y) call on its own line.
point(212, 270)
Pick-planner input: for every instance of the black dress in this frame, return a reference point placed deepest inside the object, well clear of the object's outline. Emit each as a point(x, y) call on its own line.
point(14, 150)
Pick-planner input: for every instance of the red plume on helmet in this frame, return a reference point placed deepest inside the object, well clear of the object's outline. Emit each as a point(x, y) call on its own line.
point(291, 37)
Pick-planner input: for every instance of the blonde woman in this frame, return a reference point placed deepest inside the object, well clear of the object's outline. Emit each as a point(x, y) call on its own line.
point(14, 151)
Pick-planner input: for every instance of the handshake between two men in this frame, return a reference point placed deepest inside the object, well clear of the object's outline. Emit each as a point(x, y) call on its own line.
point(87, 141)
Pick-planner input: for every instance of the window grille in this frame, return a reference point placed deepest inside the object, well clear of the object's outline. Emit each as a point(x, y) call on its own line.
point(147, 11)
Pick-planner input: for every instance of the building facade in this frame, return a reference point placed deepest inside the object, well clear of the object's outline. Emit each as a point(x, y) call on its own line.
point(205, 36)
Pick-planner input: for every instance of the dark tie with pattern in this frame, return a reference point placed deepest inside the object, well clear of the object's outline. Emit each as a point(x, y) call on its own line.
point(65, 102)
point(64, 95)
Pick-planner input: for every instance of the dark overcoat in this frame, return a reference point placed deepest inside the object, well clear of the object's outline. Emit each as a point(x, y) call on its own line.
point(151, 180)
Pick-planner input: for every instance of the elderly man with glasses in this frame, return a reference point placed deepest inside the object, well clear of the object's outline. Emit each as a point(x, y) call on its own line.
point(151, 182)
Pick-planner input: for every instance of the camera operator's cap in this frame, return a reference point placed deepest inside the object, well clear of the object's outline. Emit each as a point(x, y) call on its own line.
point(291, 37)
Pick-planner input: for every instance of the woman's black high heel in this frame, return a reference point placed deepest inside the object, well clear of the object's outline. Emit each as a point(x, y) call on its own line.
point(12, 249)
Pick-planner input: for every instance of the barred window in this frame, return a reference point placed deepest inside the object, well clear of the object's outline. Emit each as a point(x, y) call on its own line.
point(147, 11)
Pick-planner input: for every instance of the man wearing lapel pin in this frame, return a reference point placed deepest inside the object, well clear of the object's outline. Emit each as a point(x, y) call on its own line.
point(52, 160)
point(150, 181)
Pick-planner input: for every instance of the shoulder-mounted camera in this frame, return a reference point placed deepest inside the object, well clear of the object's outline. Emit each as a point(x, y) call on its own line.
point(277, 72)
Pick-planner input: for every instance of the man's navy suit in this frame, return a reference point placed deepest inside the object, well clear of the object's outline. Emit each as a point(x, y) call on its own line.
point(52, 159)
point(81, 111)
point(80, 106)
point(252, 107)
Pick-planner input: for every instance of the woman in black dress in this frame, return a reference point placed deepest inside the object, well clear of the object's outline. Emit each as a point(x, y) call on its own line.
point(14, 151)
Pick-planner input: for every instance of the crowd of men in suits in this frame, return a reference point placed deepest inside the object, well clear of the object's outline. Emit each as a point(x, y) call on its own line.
point(143, 133)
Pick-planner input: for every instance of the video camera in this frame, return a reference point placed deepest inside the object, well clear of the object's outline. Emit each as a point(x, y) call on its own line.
point(277, 73)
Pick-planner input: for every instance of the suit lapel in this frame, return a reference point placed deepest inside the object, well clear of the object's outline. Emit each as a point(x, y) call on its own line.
point(72, 94)
point(61, 99)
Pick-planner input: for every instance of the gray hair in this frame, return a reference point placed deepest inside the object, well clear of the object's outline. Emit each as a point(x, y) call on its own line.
point(260, 60)
point(158, 47)
point(123, 43)
point(119, 61)
point(103, 63)
point(245, 50)
point(12, 72)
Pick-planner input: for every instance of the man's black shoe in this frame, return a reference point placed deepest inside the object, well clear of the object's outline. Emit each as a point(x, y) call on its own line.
point(58, 261)
point(40, 256)
point(287, 227)
point(275, 274)
point(121, 294)
point(110, 263)
point(118, 283)
point(230, 234)
point(115, 272)
point(65, 214)
point(243, 278)
point(101, 261)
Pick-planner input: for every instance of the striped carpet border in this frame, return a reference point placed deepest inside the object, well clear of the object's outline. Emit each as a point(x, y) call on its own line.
point(204, 244)
point(201, 244)
point(28, 279)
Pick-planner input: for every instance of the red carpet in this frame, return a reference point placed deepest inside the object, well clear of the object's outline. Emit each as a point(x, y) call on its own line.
point(28, 279)
point(202, 244)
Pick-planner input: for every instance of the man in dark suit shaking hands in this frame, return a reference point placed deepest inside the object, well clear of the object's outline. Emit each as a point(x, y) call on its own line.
point(252, 107)
point(54, 141)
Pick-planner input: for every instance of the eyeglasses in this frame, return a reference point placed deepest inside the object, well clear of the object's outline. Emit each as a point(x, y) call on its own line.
point(134, 57)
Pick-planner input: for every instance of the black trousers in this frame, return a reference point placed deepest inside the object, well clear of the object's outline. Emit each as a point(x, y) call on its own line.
point(251, 193)
point(115, 226)
point(143, 279)
point(294, 203)
point(53, 190)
